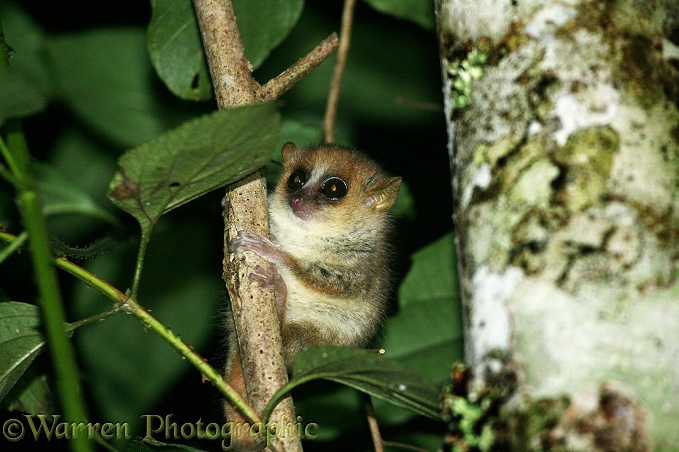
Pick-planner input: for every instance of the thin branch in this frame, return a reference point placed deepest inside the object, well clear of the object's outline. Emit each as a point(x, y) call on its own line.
point(245, 209)
point(13, 168)
point(230, 70)
point(333, 97)
point(255, 317)
point(141, 253)
point(275, 87)
point(94, 319)
point(12, 245)
point(372, 423)
point(6, 174)
point(259, 356)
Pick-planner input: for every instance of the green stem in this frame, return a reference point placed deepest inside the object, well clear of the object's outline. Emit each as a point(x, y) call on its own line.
point(95, 318)
point(12, 245)
point(15, 152)
point(6, 173)
point(52, 309)
point(145, 236)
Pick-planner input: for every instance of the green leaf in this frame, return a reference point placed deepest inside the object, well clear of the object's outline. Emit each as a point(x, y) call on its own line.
point(433, 274)
point(335, 408)
point(298, 132)
point(263, 24)
point(197, 157)
point(419, 11)
point(176, 49)
point(36, 397)
point(366, 371)
point(426, 333)
point(18, 97)
point(20, 342)
point(27, 48)
point(105, 77)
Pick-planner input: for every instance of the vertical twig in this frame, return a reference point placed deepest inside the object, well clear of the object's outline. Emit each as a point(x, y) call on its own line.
point(333, 97)
point(245, 208)
point(229, 69)
point(372, 423)
point(255, 318)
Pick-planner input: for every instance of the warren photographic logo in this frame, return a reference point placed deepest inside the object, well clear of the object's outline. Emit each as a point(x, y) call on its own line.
point(40, 427)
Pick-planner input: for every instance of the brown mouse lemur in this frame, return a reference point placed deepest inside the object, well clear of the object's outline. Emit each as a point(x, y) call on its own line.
point(329, 219)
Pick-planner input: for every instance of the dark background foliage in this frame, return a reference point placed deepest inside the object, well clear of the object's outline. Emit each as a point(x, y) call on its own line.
point(390, 108)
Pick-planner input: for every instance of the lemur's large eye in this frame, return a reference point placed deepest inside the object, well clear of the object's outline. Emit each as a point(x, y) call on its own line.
point(334, 188)
point(297, 179)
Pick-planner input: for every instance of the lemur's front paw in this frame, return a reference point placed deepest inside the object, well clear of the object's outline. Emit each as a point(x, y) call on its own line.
point(248, 241)
point(270, 279)
point(263, 247)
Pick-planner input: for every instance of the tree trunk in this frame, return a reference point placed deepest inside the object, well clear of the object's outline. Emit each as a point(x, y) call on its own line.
point(566, 179)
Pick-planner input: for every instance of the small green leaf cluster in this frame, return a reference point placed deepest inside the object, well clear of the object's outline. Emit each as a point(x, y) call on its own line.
point(463, 71)
point(466, 416)
point(473, 411)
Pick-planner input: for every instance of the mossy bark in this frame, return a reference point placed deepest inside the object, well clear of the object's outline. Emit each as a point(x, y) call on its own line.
point(565, 169)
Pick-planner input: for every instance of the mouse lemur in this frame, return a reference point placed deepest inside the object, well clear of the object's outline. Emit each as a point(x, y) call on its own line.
point(329, 219)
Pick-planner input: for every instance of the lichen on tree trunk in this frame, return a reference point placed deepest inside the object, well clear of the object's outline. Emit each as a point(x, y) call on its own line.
point(566, 175)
